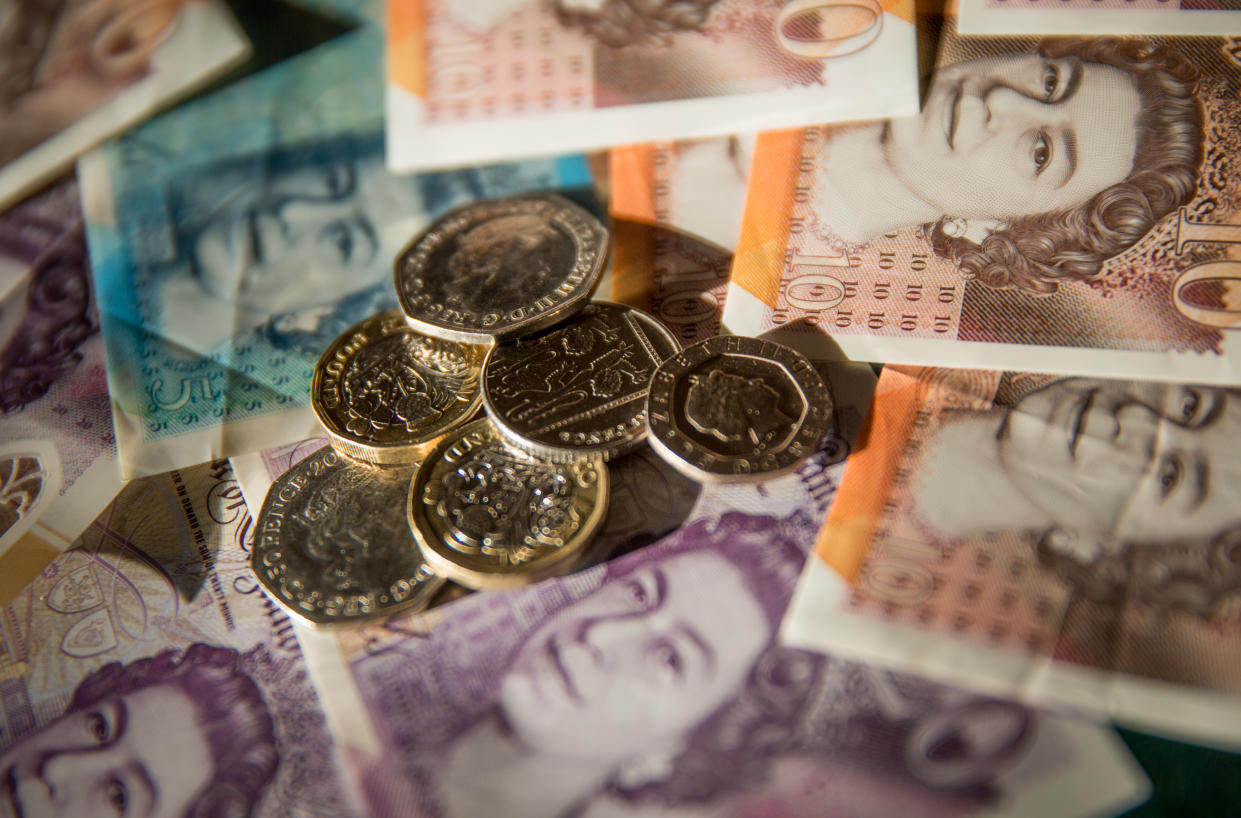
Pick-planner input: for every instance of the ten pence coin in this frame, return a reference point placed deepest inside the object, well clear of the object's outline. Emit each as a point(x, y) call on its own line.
point(487, 515)
point(333, 546)
point(579, 387)
point(385, 392)
point(735, 408)
point(501, 268)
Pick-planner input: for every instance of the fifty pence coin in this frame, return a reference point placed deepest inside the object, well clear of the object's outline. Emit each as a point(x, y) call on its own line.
point(736, 408)
point(385, 392)
point(333, 546)
point(579, 387)
point(501, 268)
point(487, 515)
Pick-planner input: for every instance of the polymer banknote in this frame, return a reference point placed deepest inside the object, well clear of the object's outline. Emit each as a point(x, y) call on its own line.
point(484, 80)
point(76, 73)
point(676, 212)
point(58, 464)
point(144, 672)
point(1063, 205)
point(652, 686)
point(234, 238)
point(1100, 17)
point(1072, 542)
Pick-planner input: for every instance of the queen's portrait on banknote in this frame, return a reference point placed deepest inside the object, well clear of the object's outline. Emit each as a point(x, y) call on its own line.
point(177, 734)
point(661, 691)
point(1028, 168)
point(282, 240)
point(1130, 490)
point(59, 61)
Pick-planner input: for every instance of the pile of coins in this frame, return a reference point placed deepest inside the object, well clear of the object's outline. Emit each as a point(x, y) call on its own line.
point(417, 489)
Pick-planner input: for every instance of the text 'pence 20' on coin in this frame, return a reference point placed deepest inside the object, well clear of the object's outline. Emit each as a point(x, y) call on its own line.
point(579, 387)
point(488, 515)
point(501, 268)
point(332, 544)
point(385, 392)
point(737, 408)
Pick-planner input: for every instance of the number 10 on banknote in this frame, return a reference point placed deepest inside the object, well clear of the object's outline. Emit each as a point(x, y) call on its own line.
point(1068, 205)
point(479, 80)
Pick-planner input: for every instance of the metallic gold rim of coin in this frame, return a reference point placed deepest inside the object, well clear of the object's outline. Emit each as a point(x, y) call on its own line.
point(628, 440)
point(464, 568)
point(265, 557)
point(692, 458)
point(328, 403)
point(592, 243)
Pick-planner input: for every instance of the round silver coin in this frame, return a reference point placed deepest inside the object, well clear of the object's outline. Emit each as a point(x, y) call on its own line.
point(736, 408)
point(332, 544)
point(501, 268)
point(580, 387)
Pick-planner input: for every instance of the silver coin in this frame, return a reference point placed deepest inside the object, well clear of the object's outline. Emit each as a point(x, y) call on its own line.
point(579, 387)
point(735, 408)
point(487, 515)
point(501, 268)
point(332, 544)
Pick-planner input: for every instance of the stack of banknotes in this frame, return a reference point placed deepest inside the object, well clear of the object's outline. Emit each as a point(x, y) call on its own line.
point(608, 407)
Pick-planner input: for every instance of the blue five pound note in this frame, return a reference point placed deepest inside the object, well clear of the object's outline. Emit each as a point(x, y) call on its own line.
point(222, 273)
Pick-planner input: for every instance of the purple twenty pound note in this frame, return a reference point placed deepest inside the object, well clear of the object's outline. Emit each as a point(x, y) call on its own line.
point(653, 686)
point(57, 447)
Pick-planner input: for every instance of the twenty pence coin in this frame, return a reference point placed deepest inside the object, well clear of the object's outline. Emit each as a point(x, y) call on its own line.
point(733, 408)
point(385, 393)
point(501, 268)
point(487, 515)
point(332, 544)
point(580, 387)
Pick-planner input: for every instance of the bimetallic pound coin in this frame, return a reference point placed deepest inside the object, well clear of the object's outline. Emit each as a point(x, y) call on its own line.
point(501, 268)
point(735, 408)
point(487, 515)
point(386, 393)
point(333, 546)
point(579, 387)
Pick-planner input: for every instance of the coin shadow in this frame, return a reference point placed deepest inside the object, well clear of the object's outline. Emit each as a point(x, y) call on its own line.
point(678, 277)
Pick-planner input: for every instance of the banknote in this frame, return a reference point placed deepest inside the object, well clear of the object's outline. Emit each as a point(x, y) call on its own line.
point(1063, 205)
point(1100, 17)
point(1069, 541)
point(144, 673)
point(234, 238)
point(651, 686)
point(676, 211)
point(483, 80)
point(58, 464)
point(77, 72)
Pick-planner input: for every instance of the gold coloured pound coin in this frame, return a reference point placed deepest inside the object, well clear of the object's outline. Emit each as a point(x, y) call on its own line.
point(385, 393)
point(487, 515)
